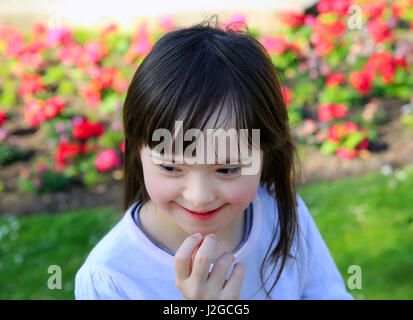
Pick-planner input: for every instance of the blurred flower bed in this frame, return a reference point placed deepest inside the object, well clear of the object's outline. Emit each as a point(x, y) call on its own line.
point(67, 86)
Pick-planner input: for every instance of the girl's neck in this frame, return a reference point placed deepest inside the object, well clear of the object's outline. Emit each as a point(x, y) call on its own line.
point(163, 230)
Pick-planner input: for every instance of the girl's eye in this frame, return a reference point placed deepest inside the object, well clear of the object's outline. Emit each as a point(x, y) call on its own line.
point(168, 169)
point(224, 171)
point(230, 171)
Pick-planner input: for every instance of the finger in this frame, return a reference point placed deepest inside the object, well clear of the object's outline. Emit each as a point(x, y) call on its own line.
point(234, 284)
point(219, 272)
point(203, 258)
point(182, 257)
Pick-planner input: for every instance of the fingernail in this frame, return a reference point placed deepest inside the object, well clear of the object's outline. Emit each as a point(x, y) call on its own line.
point(197, 235)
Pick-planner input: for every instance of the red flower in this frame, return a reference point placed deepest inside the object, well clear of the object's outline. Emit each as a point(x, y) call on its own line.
point(335, 133)
point(383, 62)
point(373, 8)
point(67, 152)
point(363, 144)
point(30, 84)
point(286, 95)
point(2, 117)
point(292, 19)
point(361, 81)
point(85, 130)
point(335, 79)
point(110, 29)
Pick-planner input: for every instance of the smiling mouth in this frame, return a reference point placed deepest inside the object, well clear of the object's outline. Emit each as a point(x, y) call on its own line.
point(202, 212)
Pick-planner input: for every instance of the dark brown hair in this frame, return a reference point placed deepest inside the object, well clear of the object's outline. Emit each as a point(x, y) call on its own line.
point(190, 73)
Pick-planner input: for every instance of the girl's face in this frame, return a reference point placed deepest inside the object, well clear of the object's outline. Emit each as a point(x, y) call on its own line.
point(201, 188)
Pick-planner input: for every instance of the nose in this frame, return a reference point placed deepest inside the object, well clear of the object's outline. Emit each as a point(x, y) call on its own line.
point(199, 194)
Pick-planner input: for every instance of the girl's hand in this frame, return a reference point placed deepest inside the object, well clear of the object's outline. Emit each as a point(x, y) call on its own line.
point(196, 282)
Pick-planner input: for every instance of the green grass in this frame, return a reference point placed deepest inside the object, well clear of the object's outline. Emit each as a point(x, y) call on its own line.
point(365, 221)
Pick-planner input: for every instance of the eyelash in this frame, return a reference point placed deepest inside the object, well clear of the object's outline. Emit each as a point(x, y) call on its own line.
point(234, 172)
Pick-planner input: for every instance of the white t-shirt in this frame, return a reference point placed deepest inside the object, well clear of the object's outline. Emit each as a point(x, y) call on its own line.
point(126, 264)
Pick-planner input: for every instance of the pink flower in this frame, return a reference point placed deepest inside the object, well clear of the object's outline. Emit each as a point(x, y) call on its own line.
point(95, 50)
point(122, 146)
point(331, 111)
point(141, 44)
point(71, 54)
point(235, 23)
point(350, 127)
point(52, 107)
point(274, 44)
point(166, 23)
point(379, 30)
point(336, 6)
point(91, 93)
point(335, 79)
point(56, 37)
point(33, 112)
point(108, 159)
point(346, 154)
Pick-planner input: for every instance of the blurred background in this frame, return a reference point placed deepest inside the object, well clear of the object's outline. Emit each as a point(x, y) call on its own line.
point(347, 72)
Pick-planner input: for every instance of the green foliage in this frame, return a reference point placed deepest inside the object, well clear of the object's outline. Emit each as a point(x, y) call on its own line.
point(8, 97)
point(329, 147)
point(353, 140)
point(111, 139)
point(109, 102)
point(54, 74)
point(10, 153)
point(304, 92)
point(49, 182)
point(294, 116)
point(66, 87)
point(339, 94)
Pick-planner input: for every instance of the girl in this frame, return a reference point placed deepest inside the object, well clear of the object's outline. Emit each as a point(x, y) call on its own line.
point(208, 231)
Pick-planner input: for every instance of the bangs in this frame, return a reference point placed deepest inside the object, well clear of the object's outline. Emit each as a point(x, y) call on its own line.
point(198, 95)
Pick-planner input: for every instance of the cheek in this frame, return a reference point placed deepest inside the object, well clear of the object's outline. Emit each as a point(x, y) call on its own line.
point(241, 194)
point(158, 188)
